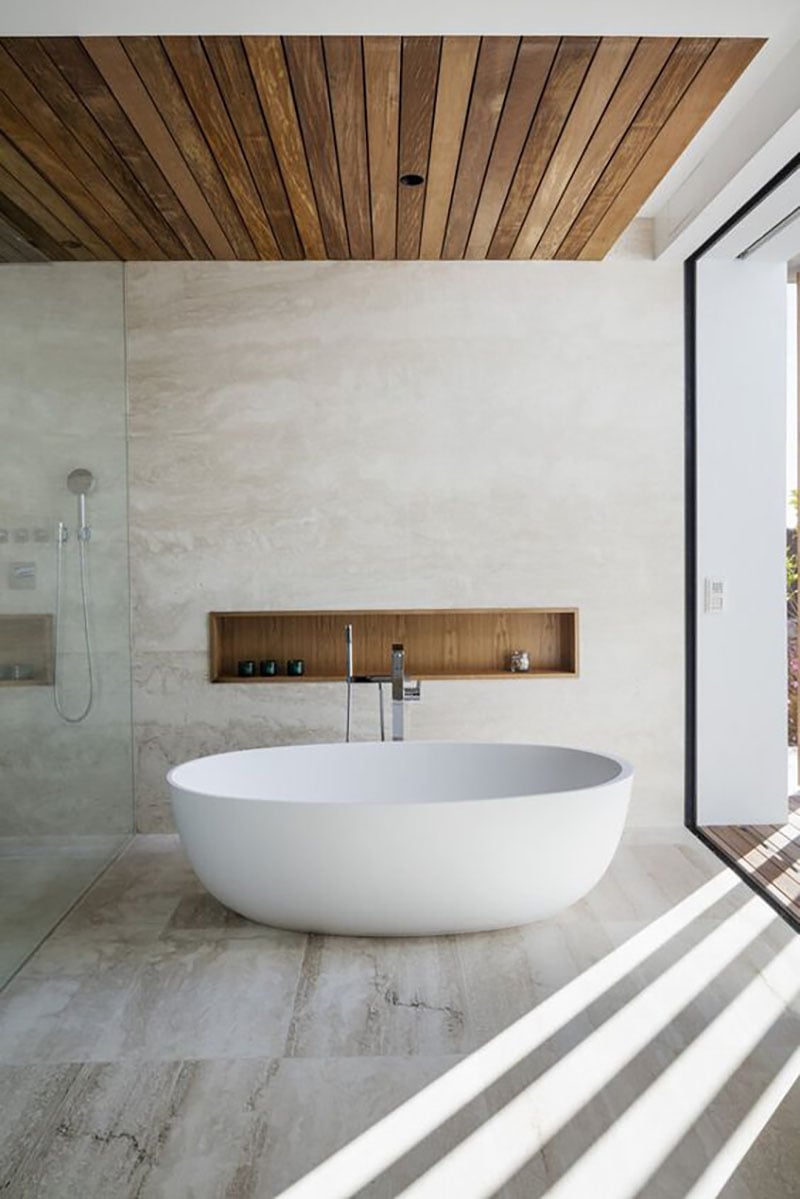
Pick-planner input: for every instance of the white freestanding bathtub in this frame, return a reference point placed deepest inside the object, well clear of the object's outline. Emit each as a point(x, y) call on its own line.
point(400, 838)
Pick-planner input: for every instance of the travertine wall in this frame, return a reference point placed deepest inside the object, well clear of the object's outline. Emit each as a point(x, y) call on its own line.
point(413, 435)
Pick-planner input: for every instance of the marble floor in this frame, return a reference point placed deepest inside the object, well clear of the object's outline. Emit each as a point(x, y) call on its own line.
point(644, 1045)
point(40, 879)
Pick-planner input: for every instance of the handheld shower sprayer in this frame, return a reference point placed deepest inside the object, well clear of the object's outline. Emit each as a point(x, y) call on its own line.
point(80, 482)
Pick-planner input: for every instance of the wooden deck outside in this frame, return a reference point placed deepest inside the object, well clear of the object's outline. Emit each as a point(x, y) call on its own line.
point(769, 852)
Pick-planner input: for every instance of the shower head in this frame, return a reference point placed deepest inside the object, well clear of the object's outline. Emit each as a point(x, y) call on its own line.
point(80, 481)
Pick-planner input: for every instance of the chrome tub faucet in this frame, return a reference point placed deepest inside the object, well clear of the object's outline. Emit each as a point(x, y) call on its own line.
point(402, 692)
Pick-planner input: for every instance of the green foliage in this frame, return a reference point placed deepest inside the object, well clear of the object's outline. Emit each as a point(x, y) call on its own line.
point(791, 575)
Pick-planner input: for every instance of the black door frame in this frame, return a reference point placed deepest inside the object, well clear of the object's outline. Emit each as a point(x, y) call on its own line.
point(690, 482)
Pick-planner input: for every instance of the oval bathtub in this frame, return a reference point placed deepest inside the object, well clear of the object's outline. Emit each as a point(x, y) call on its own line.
point(400, 838)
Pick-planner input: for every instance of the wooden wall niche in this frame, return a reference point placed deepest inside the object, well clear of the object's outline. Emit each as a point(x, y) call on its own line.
point(26, 650)
point(439, 643)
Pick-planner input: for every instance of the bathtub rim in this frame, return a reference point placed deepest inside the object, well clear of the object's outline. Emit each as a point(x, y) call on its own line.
point(625, 773)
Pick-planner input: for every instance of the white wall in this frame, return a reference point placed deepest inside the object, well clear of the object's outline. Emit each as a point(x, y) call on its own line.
point(741, 503)
point(409, 435)
point(698, 18)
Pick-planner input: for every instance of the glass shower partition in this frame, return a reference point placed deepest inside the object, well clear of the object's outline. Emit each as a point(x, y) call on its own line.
point(66, 790)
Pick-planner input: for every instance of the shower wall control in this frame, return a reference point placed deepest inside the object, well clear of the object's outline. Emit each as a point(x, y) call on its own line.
point(22, 576)
point(22, 535)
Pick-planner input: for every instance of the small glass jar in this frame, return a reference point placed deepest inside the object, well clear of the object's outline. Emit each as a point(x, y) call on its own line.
point(519, 661)
point(295, 667)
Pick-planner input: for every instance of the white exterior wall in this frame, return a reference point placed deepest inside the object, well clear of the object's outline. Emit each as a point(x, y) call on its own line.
point(741, 502)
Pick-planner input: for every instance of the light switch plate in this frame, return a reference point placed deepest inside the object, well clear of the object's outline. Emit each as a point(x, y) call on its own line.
point(714, 596)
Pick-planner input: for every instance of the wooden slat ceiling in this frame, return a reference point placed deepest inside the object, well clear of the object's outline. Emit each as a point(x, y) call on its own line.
point(266, 147)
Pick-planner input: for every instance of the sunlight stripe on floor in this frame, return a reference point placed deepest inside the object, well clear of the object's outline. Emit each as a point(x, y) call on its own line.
point(377, 1148)
point(740, 1142)
point(624, 1158)
point(488, 1157)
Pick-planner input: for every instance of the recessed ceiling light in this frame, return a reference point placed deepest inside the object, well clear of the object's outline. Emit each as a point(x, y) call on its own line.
point(412, 180)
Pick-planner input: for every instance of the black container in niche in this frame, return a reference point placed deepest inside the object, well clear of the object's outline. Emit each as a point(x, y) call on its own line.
point(295, 667)
point(268, 668)
point(246, 669)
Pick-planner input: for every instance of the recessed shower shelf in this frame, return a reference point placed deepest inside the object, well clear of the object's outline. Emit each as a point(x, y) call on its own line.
point(453, 643)
point(26, 649)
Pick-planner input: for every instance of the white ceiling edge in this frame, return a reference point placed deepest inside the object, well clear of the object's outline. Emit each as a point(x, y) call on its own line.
point(665, 18)
point(740, 96)
point(760, 136)
point(782, 247)
point(767, 216)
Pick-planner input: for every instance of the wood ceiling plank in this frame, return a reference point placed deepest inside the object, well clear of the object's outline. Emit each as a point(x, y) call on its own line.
point(9, 251)
point(97, 201)
point(43, 74)
point(680, 69)
point(271, 78)
point(608, 65)
point(17, 243)
point(496, 59)
point(89, 220)
point(572, 61)
point(418, 80)
point(16, 158)
point(108, 55)
point(29, 201)
point(19, 247)
point(232, 70)
point(644, 68)
point(191, 65)
point(345, 67)
point(27, 227)
point(456, 74)
point(306, 62)
point(382, 81)
point(71, 60)
point(166, 92)
point(719, 72)
point(534, 61)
